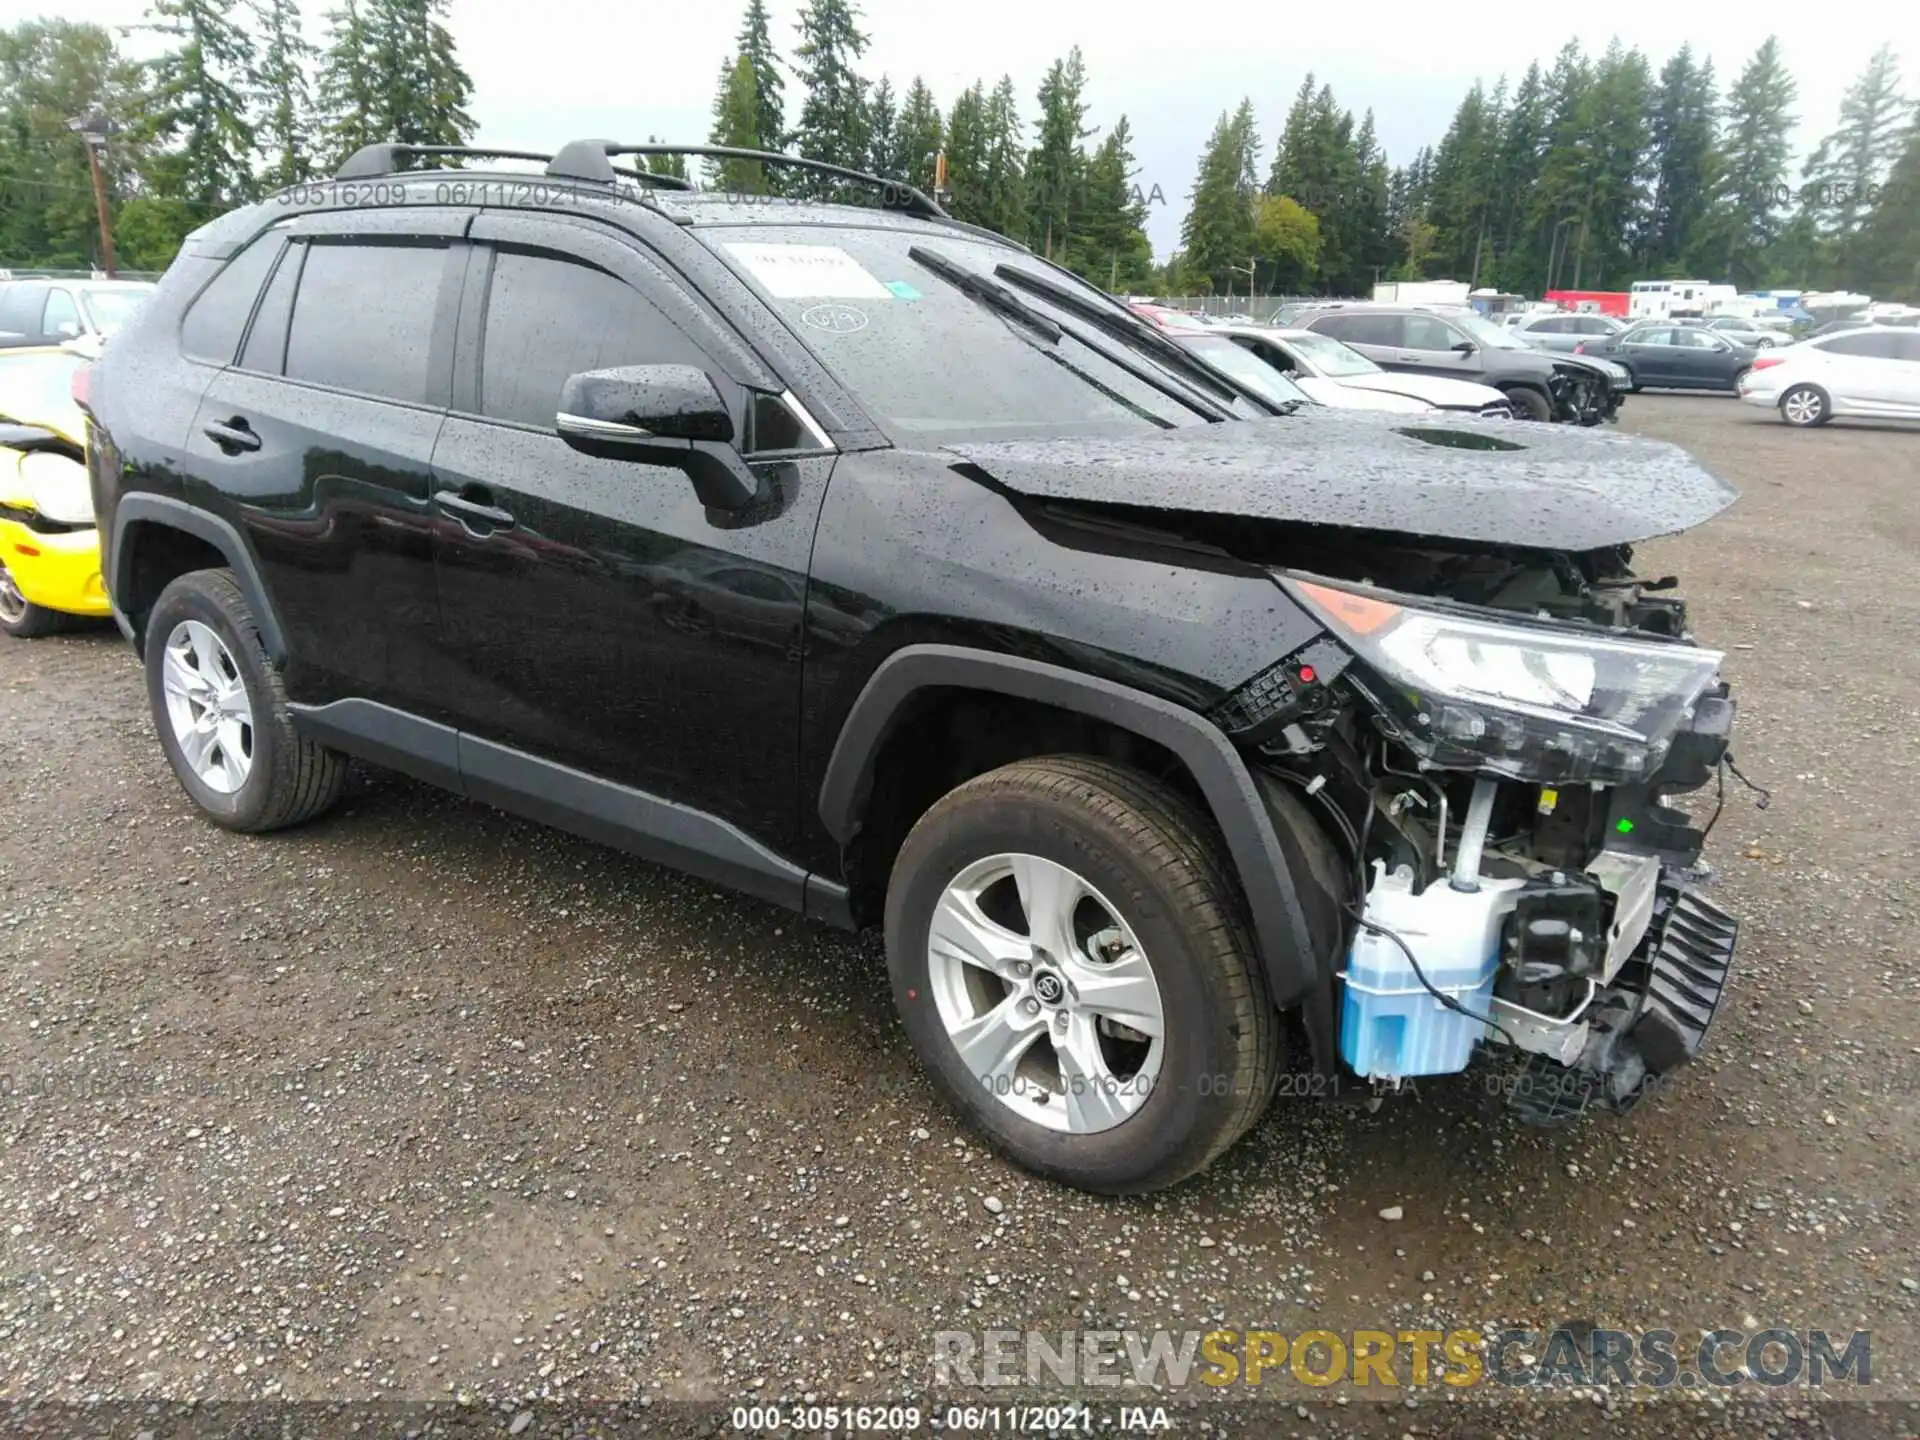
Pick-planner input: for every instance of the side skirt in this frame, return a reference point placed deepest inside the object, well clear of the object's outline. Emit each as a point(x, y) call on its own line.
point(642, 824)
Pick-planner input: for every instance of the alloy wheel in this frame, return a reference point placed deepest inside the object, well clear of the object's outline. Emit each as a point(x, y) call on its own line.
point(13, 605)
point(207, 706)
point(1802, 406)
point(1046, 994)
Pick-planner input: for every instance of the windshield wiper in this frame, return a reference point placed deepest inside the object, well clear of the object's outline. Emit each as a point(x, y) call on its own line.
point(1123, 326)
point(995, 295)
point(990, 293)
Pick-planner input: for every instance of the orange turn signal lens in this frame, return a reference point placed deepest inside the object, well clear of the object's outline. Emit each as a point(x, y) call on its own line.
point(1357, 613)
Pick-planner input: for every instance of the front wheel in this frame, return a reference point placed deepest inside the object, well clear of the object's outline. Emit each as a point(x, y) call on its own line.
point(1805, 406)
point(1071, 961)
point(1529, 404)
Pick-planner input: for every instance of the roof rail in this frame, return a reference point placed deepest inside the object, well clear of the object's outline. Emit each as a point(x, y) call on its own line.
point(588, 160)
point(387, 159)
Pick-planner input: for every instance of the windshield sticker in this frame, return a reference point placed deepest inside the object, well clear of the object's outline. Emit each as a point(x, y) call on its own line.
point(809, 272)
point(840, 319)
point(902, 290)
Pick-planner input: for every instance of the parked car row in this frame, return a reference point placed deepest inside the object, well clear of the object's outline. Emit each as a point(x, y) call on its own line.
point(49, 312)
point(1871, 372)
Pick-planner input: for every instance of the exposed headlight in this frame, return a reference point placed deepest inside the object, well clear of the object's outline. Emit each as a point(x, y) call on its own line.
point(1534, 702)
point(57, 487)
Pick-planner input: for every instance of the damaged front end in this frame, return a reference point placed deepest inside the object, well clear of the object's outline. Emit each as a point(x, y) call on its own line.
point(1493, 742)
point(1585, 392)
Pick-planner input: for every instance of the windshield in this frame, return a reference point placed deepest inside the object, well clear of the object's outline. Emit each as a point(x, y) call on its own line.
point(1329, 356)
point(1225, 353)
point(934, 358)
point(1496, 337)
point(112, 309)
point(36, 388)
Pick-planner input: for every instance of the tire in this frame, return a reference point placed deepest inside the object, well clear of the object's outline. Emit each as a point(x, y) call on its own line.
point(287, 779)
point(1741, 379)
point(1152, 864)
point(1804, 406)
point(1529, 404)
point(23, 619)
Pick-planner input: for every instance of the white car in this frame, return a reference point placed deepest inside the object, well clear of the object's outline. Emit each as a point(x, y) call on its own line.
point(1872, 371)
point(1333, 373)
point(1218, 345)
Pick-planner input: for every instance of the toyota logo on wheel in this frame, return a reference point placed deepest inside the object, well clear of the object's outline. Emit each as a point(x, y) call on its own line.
point(1048, 987)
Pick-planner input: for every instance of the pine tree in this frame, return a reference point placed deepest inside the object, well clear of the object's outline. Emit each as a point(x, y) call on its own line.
point(348, 99)
point(1368, 214)
point(1218, 231)
point(1850, 163)
point(833, 116)
point(674, 165)
point(1110, 245)
point(199, 108)
point(1056, 168)
point(1751, 195)
point(755, 43)
point(918, 135)
point(1523, 139)
point(966, 147)
point(281, 93)
point(883, 119)
point(1005, 173)
point(1683, 136)
point(1883, 257)
point(424, 92)
point(736, 122)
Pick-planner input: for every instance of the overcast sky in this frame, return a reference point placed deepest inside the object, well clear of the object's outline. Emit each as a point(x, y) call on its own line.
point(562, 69)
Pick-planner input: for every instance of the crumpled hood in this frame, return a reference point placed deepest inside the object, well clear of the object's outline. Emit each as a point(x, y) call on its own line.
point(1502, 482)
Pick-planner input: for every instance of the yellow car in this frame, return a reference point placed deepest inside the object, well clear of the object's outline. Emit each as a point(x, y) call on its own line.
point(49, 545)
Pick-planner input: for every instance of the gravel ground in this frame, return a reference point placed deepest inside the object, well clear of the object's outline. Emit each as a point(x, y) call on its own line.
point(425, 1103)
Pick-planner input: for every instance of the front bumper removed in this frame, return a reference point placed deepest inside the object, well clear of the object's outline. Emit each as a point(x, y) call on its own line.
point(1645, 1025)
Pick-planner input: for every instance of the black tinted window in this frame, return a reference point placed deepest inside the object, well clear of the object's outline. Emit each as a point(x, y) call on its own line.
point(1360, 329)
point(548, 319)
point(266, 347)
point(1551, 327)
point(211, 330)
point(363, 319)
point(771, 426)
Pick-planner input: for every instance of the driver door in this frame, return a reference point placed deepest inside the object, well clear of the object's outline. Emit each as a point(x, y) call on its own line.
point(599, 617)
point(1430, 346)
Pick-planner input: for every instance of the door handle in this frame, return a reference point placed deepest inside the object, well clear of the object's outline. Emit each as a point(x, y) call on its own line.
point(467, 509)
point(232, 436)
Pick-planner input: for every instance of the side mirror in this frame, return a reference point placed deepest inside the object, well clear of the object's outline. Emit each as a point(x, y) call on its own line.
point(661, 415)
point(1465, 347)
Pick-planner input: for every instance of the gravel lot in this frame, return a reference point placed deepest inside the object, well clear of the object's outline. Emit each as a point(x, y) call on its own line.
point(426, 1103)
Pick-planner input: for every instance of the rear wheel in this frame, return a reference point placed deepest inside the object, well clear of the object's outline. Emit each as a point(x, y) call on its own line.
point(221, 711)
point(1071, 961)
point(1529, 404)
point(1805, 405)
point(23, 619)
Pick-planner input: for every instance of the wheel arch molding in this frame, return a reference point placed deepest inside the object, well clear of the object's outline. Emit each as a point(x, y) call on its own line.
point(1254, 848)
point(167, 513)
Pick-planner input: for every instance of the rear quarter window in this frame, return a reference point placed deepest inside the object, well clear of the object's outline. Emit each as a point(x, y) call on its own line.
point(218, 316)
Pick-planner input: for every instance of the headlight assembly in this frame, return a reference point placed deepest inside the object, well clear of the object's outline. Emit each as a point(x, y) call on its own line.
point(1535, 702)
point(57, 487)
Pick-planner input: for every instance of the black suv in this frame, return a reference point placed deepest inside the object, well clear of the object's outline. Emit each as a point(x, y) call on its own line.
point(867, 563)
point(1462, 344)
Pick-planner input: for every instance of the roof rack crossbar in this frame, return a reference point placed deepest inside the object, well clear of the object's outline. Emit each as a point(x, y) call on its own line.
point(589, 160)
point(388, 159)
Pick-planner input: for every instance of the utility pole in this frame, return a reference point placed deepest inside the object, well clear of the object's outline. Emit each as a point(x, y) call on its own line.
point(93, 129)
point(1248, 271)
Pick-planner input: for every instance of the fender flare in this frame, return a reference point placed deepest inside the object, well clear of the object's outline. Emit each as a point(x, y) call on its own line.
point(175, 514)
point(1254, 848)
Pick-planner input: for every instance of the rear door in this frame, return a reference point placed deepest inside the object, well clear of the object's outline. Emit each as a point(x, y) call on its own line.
point(1869, 372)
point(601, 618)
point(1649, 352)
point(316, 441)
point(1374, 335)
